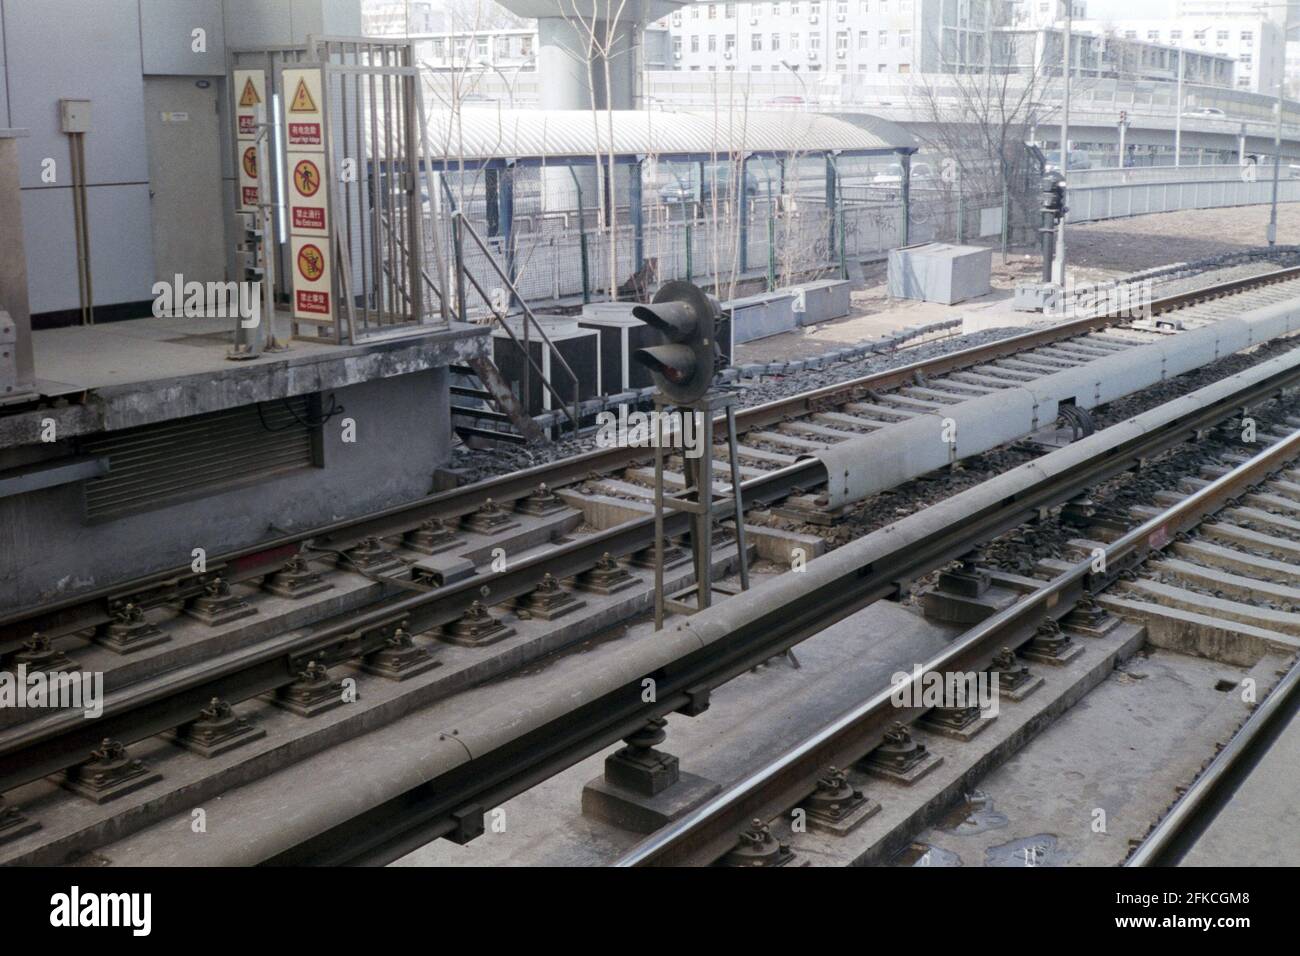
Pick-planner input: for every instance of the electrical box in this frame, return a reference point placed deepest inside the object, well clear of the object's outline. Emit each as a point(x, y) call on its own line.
point(74, 116)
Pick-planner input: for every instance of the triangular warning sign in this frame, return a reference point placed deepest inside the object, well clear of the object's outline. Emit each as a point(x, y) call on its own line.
point(302, 101)
point(249, 97)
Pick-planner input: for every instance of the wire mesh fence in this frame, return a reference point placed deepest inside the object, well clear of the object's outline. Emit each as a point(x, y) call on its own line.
point(555, 230)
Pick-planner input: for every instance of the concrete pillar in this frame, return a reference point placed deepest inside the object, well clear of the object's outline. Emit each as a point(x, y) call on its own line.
point(562, 47)
point(624, 61)
point(562, 62)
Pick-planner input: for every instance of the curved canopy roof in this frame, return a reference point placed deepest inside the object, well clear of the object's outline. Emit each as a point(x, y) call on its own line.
point(488, 135)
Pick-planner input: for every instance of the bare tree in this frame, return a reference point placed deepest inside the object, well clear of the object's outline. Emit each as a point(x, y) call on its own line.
point(976, 123)
point(600, 31)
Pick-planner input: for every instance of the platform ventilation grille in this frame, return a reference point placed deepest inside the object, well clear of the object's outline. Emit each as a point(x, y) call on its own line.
point(158, 465)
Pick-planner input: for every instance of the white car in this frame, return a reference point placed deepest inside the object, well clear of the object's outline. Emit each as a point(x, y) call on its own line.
point(893, 174)
point(1210, 112)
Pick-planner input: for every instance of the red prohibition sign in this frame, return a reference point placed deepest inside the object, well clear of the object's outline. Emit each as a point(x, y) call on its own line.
point(306, 178)
point(311, 262)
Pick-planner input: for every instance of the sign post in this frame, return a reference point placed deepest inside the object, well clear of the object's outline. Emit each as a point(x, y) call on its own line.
point(310, 228)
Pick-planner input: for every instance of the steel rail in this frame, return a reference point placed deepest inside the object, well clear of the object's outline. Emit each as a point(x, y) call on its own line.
point(37, 748)
point(1176, 833)
point(93, 607)
point(440, 806)
point(707, 832)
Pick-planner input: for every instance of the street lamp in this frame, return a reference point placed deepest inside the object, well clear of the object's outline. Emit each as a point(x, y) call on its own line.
point(510, 85)
point(795, 73)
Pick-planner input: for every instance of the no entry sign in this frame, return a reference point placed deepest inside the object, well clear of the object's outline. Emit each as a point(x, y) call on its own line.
point(307, 205)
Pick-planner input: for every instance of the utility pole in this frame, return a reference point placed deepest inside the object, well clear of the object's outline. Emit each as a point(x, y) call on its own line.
point(1058, 266)
point(1178, 114)
point(1277, 167)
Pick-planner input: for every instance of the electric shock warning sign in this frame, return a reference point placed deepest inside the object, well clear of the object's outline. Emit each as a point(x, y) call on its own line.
point(304, 117)
point(250, 93)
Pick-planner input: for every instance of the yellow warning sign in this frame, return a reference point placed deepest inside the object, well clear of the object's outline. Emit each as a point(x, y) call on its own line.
point(249, 97)
point(302, 101)
point(252, 96)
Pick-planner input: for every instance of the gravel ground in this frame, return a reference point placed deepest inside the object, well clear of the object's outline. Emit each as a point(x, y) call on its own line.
point(1121, 246)
point(479, 465)
point(1023, 548)
point(1216, 245)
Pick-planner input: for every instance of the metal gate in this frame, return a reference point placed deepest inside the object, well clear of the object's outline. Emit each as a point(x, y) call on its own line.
point(375, 186)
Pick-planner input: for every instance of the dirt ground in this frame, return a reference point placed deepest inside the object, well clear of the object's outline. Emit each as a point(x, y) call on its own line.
point(1097, 250)
point(1144, 242)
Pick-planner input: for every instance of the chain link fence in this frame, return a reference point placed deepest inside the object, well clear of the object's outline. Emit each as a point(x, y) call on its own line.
point(791, 221)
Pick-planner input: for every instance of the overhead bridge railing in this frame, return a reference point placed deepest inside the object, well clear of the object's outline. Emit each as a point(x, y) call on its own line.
point(499, 311)
point(1115, 194)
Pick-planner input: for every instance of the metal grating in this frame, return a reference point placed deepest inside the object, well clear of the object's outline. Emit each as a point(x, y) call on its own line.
point(157, 465)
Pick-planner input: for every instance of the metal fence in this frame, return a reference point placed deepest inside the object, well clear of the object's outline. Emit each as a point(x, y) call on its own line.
point(1115, 193)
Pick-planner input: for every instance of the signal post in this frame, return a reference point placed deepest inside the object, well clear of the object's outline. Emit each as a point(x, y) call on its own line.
point(683, 368)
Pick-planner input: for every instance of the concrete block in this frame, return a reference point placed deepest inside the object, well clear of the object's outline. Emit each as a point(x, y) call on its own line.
point(758, 316)
point(940, 272)
point(644, 814)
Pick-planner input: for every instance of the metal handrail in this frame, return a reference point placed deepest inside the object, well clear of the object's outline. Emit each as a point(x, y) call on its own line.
point(529, 319)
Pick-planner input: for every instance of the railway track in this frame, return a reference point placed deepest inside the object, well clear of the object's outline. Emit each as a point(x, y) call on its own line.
point(268, 624)
point(1228, 531)
point(776, 434)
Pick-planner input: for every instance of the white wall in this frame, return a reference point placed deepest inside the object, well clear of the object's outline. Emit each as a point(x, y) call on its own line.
point(101, 51)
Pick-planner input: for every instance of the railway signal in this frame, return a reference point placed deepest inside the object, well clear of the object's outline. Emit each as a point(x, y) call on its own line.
point(1053, 195)
point(686, 317)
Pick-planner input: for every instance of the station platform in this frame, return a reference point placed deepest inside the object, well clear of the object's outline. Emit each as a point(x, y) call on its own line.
point(140, 371)
point(146, 442)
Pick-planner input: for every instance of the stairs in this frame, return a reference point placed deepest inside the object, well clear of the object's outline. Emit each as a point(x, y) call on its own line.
point(484, 410)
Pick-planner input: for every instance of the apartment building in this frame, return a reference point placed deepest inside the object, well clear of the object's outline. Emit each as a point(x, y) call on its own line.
point(1281, 12)
point(844, 36)
point(400, 17)
point(1036, 14)
point(1257, 44)
point(1109, 55)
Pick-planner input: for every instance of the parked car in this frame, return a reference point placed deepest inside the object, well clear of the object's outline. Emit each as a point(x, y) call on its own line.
point(681, 189)
point(1078, 160)
point(922, 175)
